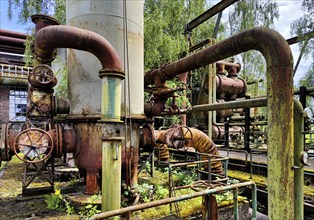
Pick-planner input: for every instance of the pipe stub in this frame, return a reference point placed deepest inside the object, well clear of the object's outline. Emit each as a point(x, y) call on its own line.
point(112, 73)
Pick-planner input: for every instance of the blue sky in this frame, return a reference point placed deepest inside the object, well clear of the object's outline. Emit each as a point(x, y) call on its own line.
point(289, 10)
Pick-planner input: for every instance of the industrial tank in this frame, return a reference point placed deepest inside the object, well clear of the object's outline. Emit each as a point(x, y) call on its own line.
point(107, 19)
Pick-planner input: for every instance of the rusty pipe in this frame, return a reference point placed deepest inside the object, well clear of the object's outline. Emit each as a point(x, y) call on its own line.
point(42, 21)
point(60, 36)
point(12, 41)
point(262, 39)
point(277, 54)
point(13, 34)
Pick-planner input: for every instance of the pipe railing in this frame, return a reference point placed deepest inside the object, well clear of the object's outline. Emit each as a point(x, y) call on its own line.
point(182, 198)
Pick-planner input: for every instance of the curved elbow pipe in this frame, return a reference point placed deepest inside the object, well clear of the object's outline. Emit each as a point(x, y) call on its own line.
point(270, 43)
point(60, 36)
point(278, 57)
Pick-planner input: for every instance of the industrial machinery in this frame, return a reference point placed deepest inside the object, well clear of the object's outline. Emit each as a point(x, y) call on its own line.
point(100, 122)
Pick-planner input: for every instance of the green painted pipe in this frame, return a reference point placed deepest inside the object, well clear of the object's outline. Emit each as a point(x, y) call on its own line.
point(298, 166)
point(254, 202)
point(235, 204)
point(111, 174)
point(111, 97)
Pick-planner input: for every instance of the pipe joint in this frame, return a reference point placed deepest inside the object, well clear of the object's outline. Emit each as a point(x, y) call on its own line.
point(110, 72)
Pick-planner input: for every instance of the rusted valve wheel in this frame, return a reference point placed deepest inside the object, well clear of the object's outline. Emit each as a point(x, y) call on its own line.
point(35, 144)
point(41, 76)
point(181, 88)
point(181, 137)
point(200, 185)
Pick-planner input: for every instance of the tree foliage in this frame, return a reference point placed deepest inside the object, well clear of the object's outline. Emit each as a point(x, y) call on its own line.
point(164, 24)
point(27, 8)
point(248, 14)
point(301, 26)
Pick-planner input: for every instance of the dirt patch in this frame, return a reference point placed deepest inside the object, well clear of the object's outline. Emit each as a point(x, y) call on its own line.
point(14, 206)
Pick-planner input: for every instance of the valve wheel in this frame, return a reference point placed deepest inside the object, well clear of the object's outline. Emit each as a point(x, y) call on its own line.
point(181, 137)
point(35, 144)
point(200, 185)
point(181, 88)
point(42, 75)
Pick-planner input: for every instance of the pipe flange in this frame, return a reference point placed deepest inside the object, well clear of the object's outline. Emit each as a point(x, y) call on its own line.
point(39, 58)
point(242, 94)
point(110, 72)
point(162, 72)
point(57, 136)
point(147, 138)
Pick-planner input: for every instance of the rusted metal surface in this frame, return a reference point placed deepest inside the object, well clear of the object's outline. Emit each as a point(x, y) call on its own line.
point(248, 103)
point(42, 21)
point(147, 137)
point(42, 76)
point(62, 106)
point(230, 88)
point(14, 34)
point(69, 141)
point(36, 145)
point(278, 57)
point(208, 14)
point(52, 37)
point(12, 41)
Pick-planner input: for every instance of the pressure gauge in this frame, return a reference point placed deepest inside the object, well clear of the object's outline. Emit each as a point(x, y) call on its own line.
point(304, 157)
point(308, 113)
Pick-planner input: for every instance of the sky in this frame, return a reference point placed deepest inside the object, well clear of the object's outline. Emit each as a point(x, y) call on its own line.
point(289, 10)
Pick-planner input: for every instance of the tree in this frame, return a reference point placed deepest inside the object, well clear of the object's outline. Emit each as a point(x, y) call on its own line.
point(248, 14)
point(302, 26)
point(164, 24)
point(27, 8)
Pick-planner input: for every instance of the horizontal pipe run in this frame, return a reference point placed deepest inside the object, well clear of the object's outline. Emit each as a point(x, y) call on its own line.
point(197, 162)
point(12, 41)
point(171, 200)
point(247, 103)
point(300, 38)
point(13, 34)
point(308, 90)
point(208, 14)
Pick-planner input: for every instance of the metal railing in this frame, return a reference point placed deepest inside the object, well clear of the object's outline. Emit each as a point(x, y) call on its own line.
point(166, 201)
point(15, 71)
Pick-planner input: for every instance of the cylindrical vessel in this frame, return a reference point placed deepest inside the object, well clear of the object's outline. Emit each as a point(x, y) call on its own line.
point(106, 19)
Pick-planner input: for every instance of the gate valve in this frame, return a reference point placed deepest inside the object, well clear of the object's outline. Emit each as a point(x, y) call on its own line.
point(181, 88)
point(181, 137)
point(34, 144)
point(42, 76)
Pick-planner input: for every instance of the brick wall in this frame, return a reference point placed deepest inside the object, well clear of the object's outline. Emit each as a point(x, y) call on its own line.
point(4, 104)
